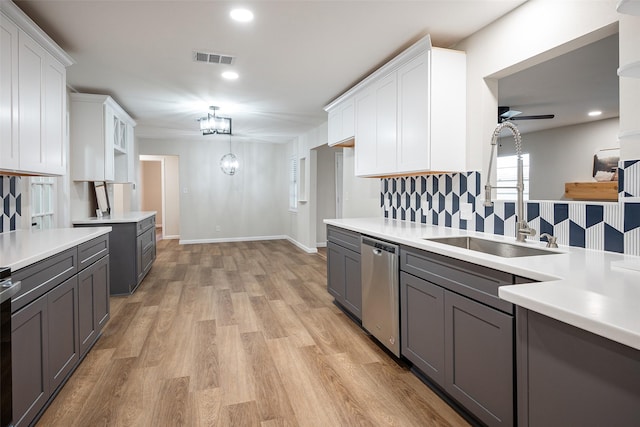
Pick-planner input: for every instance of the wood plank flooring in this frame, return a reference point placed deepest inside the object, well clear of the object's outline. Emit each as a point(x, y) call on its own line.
point(239, 334)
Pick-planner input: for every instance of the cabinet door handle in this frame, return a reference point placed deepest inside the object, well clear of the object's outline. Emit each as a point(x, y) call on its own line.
point(377, 252)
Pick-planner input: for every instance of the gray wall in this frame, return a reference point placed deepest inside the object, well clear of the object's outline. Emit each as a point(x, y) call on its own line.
point(247, 205)
point(325, 190)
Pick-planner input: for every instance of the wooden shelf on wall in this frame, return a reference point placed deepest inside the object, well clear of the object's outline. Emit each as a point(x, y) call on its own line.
point(602, 191)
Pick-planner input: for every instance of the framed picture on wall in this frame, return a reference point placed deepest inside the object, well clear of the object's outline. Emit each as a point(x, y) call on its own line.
point(102, 198)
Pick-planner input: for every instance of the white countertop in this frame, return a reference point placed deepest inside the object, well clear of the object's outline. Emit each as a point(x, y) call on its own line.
point(21, 248)
point(577, 286)
point(116, 218)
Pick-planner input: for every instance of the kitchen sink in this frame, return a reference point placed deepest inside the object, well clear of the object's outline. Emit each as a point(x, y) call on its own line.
point(501, 249)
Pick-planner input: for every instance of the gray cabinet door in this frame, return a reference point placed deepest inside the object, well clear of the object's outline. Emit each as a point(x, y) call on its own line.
point(353, 282)
point(93, 307)
point(101, 291)
point(30, 353)
point(145, 244)
point(422, 325)
point(570, 377)
point(335, 271)
point(344, 278)
point(479, 367)
point(64, 348)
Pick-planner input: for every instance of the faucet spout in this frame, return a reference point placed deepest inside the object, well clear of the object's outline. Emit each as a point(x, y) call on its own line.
point(523, 229)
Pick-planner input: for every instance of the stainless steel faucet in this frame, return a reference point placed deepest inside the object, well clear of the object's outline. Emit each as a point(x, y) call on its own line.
point(523, 229)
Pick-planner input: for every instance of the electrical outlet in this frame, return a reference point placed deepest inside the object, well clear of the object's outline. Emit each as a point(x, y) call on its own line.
point(218, 228)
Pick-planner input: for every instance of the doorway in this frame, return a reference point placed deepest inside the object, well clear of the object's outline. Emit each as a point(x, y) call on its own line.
point(159, 191)
point(328, 189)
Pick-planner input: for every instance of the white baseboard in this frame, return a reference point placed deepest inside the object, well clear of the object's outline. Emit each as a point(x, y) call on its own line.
point(321, 244)
point(301, 246)
point(173, 237)
point(230, 239)
point(250, 239)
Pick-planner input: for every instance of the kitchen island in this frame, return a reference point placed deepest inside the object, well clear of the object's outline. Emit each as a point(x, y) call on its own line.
point(133, 245)
point(576, 325)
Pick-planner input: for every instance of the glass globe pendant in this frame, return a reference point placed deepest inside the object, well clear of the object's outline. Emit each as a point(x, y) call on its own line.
point(229, 163)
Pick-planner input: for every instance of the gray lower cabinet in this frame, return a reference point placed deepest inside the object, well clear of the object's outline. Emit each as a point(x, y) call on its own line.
point(146, 252)
point(479, 366)
point(50, 326)
point(570, 377)
point(422, 325)
point(344, 279)
point(30, 353)
point(464, 346)
point(93, 291)
point(133, 251)
point(64, 348)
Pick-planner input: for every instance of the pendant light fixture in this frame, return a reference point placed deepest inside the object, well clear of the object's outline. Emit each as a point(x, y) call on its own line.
point(213, 124)
point(229, 163)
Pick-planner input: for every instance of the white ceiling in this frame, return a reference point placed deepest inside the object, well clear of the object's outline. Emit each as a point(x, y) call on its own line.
point(293, 59)
point(568, 86)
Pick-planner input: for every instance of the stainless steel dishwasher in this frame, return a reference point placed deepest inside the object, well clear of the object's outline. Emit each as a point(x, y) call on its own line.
point(380, 292)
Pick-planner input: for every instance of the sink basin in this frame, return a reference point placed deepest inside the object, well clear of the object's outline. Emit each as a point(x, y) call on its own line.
point(501, 249)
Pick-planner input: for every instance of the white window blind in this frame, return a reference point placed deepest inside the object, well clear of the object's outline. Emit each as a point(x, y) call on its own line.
point(42, 202)
point(293, 184)
point(507, 176)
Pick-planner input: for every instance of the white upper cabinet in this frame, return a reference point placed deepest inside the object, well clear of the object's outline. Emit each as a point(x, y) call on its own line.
point(10, 158)
point(33, 97)
point(342, 123)
point(410, 115)
point(101, 139)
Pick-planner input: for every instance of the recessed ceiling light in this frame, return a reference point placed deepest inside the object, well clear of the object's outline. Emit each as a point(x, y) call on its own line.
point(594, 113)
point(241, 15)
point(230, 75)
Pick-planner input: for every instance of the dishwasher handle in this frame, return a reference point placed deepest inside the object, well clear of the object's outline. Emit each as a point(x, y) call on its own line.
point(379, 247)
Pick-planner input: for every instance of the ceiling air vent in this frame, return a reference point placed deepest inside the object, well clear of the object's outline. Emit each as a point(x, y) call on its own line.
point(213, 58)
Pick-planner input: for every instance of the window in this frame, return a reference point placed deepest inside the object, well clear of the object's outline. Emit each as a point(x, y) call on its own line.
point(507, 176)
point(42, 202)
point(293, 184)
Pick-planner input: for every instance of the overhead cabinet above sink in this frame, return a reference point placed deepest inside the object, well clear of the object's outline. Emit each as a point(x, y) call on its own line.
point(409, 115)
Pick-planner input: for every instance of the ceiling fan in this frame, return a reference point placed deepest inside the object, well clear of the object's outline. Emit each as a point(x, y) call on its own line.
point(505, 113)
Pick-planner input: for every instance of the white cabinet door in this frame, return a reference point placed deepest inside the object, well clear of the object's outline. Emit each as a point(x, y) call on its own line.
point(31, 64)
point(334, 125)
point(365, 148)
point(8, 95)
point(348, 119)
point(413, 115)
point(55, 101)
point(341, 122)
point(386, 121)
point(110, 121)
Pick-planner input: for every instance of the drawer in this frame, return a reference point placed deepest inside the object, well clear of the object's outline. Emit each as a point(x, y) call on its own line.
point(146, 224)
point(344, 238)
point(474, 281)
point(91, 251)
point(41, 277)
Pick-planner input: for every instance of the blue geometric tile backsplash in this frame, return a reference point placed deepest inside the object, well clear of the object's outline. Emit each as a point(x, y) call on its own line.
point(439, 200)
point(11, 198)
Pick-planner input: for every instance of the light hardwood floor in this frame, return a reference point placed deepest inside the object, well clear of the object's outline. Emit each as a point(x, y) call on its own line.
point(239, 334)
